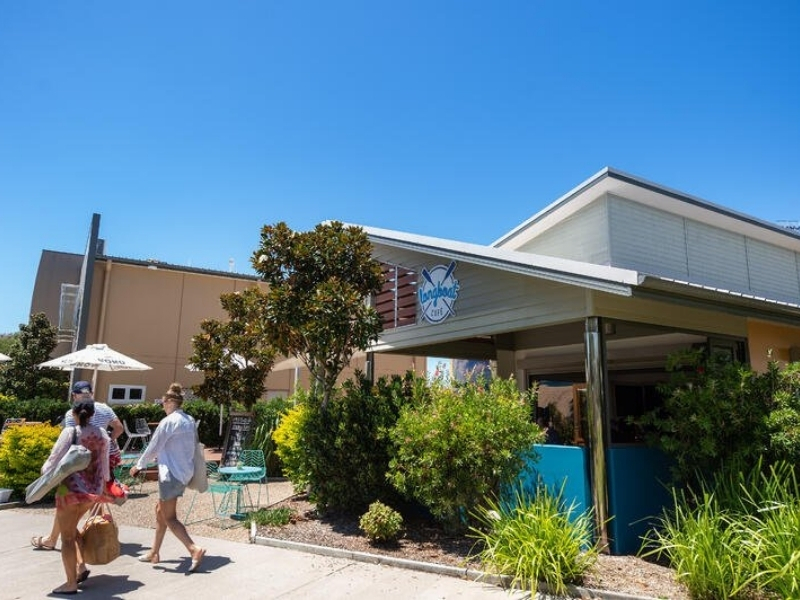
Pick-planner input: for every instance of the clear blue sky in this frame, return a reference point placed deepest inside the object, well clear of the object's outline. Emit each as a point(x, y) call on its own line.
point(189, 125)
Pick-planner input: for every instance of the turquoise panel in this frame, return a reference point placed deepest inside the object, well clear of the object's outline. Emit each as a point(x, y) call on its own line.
point(637, 494)
point(557, 465)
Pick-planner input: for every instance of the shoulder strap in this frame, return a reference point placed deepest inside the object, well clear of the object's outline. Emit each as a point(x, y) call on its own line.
point(75, 434)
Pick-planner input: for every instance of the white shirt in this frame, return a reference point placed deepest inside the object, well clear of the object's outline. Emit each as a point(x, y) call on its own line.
point(173, 444)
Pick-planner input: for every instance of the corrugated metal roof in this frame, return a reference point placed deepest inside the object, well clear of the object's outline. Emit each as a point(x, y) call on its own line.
point(609, 279)
point(173, 267)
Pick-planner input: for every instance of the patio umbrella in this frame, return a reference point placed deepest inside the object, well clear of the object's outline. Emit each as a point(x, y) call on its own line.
point(97, 357)
point(4, 358)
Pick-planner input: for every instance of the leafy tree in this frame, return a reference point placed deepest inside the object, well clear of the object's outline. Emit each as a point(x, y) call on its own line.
point(316, 306)
point(233, 356)
point(21, 377)
point(7, 341)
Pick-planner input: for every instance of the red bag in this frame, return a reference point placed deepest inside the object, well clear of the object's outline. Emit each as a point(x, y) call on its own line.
point(117, 492)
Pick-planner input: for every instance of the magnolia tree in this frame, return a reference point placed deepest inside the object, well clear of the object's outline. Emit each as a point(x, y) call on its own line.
point(233, 356)
point(21, 377)
point(317, 306)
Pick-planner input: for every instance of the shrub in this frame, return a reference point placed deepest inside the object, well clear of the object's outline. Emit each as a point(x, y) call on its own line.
point(454, 447)
point(707, 546)
point(714, 413)
point(536, 539)
point(289, 444)
point(268, 416)
point(736, 536)
point(347, 442)
point(23, 450)
point(381, 523)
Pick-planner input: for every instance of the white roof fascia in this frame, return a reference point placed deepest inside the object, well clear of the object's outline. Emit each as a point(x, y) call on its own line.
point(655, 280)
point(630, 187)
point(599, 277)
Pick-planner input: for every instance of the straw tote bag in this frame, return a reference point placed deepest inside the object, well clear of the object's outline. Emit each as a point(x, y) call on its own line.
point(99, 536)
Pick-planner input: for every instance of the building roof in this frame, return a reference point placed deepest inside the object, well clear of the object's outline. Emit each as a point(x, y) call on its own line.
point(612, 181)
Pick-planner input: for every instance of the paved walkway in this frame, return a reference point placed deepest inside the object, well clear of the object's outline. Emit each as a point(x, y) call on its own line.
point(230, 570)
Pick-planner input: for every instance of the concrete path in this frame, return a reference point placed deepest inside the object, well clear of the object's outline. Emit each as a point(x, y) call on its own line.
point(230, 570)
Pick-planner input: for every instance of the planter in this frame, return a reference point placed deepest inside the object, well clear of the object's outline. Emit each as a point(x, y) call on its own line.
point(5, 494)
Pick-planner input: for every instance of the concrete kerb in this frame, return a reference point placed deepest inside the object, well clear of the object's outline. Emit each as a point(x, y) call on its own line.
point(544, 592)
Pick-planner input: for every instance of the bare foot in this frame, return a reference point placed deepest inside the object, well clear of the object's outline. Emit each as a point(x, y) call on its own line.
point(197, 558)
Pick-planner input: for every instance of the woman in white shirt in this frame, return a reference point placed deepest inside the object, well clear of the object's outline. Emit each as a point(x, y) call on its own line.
point(172, 445)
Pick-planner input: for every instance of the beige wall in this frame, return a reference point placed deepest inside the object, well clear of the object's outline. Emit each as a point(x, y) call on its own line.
point(151, 315)
point(765, 338)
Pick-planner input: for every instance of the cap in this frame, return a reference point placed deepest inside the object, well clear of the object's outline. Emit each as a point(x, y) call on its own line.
point(82, 387)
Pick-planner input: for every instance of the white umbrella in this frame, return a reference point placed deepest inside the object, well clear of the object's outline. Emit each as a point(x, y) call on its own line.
point(4, 358)
point(98, 357)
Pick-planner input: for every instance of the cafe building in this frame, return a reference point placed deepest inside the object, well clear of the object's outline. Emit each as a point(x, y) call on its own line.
point(587, 299)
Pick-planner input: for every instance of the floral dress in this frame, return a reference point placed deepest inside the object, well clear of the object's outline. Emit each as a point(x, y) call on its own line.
point(88, 485)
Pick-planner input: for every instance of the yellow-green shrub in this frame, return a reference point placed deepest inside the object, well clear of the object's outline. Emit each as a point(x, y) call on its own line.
point(23, 450)
point(289, 446)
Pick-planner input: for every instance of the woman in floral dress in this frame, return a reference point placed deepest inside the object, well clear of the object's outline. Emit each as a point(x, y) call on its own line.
point(79, 491)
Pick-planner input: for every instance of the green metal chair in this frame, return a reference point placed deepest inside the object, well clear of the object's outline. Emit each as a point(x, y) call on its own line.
point(225, 498)
point(122, 474)
point(256, 473)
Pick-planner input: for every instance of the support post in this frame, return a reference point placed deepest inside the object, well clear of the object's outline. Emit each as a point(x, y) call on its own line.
point(596, 408)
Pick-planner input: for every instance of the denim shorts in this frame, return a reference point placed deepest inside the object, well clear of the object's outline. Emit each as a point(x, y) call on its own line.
point(172, 488)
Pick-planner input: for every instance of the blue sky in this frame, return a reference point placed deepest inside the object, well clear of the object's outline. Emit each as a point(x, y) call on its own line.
point(189, 125)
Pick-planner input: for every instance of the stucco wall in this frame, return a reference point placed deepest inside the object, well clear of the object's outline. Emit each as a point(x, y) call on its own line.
point(764, 338)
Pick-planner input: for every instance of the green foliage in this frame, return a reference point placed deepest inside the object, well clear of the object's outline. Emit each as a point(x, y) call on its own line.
point(738, 536)
point(347, 442)
point(233, 356)
point(289, 444)
point(273, 517)
point(32, 345)
point(707, 548)
point(23, 450)
point(315, 308)
point(381, 523)
point(454, 447)
point(536, 539)
point(714, 413)
point(39, 409)
point(7, 341)
point(267, 417)
point(780, 539)
point(783, 422)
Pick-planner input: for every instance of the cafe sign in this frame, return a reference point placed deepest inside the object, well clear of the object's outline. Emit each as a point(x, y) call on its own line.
point(437, 293)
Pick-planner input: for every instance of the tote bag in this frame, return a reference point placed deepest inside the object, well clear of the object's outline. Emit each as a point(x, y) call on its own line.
point(99, 536)
point(199, 480)
point(76, 459)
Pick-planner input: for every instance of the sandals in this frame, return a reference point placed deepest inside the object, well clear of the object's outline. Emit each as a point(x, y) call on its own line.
point(83, 576)
point(197, 558)
point(149, 557)
point(37, 542)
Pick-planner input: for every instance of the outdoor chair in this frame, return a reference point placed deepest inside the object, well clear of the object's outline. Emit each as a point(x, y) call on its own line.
point(122, 474)
point(225, 498)
point(255, 473)
point(140, 435)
